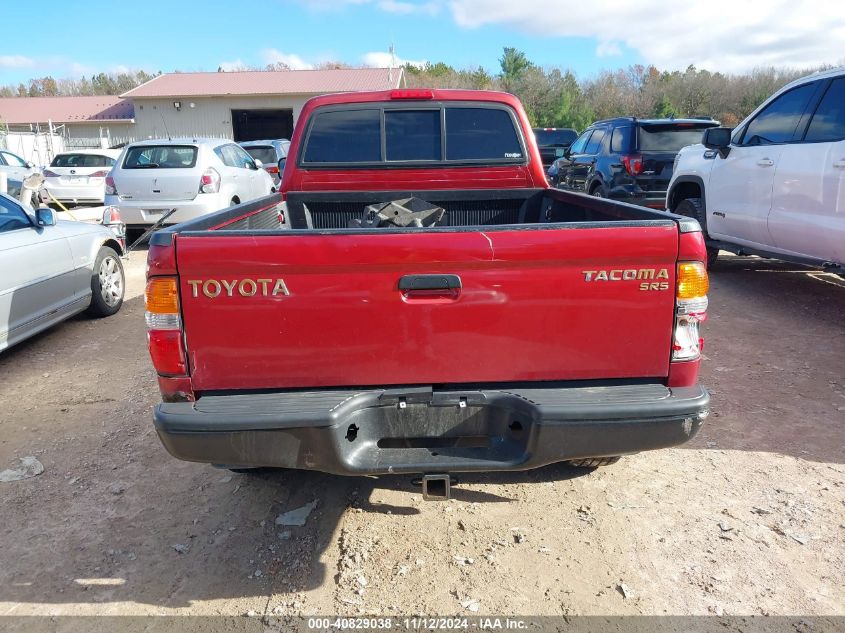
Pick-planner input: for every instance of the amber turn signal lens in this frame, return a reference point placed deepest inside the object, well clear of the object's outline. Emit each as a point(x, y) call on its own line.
point(162, 295)
point(692, 280)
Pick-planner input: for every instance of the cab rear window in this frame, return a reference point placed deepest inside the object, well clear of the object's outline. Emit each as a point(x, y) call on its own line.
point(82, 160)
point(422, 134)
point(669, 138)
point(160, 157)
point(345, 136)
point(481, 134)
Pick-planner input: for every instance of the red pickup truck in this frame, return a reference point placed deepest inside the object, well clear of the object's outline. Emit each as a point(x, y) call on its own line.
point(527, 326)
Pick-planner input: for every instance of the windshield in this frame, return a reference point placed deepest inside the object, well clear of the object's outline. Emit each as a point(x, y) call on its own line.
point(669, 138)
point(555, 138)
point(265, 153)
point(160, 156)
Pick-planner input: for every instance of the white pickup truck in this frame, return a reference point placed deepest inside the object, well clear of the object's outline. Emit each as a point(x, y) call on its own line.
point(775, 185)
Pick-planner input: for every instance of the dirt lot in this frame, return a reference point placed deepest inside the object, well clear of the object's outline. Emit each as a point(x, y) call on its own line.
point(747, 519)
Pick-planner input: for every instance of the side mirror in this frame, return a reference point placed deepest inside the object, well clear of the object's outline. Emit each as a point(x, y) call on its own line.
point(45, 216)
point(718, 138)
point(282, 162)
point(30, 164)
point(258, 163)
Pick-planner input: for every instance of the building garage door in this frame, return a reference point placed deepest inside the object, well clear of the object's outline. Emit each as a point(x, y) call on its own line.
point(257, 125)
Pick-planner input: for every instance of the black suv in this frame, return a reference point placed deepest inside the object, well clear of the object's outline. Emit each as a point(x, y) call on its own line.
point(627, 159)
point(552, 141)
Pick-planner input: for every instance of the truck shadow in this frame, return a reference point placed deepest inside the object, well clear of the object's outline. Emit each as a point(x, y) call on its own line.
point(774, 360)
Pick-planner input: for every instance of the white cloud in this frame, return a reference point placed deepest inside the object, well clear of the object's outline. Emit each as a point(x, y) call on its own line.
point(75, 69)
point(295, 62)
point(608, 49)
point(714, 34)
point(16, 61)
point(379, 59)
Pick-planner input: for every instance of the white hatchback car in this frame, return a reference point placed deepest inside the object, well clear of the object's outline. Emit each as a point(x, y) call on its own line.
point(775, 185)
point(79, 176)
point(193, 176)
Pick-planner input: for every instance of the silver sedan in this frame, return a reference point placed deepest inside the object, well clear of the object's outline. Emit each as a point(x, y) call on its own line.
point(51, 270)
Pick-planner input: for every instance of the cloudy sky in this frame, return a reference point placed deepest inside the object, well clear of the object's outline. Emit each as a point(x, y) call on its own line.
point(94, 36)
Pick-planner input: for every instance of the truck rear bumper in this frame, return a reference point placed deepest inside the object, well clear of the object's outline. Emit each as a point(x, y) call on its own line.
point(420, 430)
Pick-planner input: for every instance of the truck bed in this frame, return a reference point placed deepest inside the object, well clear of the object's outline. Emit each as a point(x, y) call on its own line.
point(464, 208)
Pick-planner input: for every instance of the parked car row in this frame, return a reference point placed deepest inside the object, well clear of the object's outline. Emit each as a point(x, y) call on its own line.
point(774, 186)
point(146, 180)
point(626, 159)
point(175, 180)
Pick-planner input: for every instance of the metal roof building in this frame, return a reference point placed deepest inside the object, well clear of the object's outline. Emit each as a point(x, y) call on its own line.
point(17, 111)
point(37, 128)
point(244, 106)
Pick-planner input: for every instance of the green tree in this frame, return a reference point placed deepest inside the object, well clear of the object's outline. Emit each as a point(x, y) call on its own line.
point(664, 109)
point(514, 64)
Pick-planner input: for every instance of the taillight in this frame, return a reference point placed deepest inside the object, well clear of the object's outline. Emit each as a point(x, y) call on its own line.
point(210, 181)
point(164, 325)
point(99, 174)
point(272, 169)
point(111, 216)
point(691, 309)
point(50, 174)
point(167, 353)
point(112, 219)
point(633, 164)
point(161, 301)
point(111, 189)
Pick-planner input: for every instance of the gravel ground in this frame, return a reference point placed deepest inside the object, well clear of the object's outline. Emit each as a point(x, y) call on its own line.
point(746, 519)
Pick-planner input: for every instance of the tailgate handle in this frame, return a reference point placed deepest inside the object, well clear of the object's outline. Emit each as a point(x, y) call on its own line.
point(409, 283)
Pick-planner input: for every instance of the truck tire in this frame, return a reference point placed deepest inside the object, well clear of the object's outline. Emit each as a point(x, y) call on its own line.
point(693, 208)
point(593, 462)
point(108, 284)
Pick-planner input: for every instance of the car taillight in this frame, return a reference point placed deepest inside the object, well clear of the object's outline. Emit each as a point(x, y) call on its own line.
point(112, 219)
point(164, 325)
point(50, 174)
point(633, 164)
point(691, 309)
point(111, 189)
point(210, 181)
point(111, 216)
point(272, 169)
point(99, 174)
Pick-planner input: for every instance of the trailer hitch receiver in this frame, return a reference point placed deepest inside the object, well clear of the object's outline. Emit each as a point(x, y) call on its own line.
point(436, 487)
